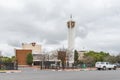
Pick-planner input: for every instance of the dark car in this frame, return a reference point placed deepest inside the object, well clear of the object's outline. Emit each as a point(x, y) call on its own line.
point(117, 64)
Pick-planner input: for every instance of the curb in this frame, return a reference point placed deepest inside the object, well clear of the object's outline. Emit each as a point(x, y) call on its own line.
point(10, 71)
point(76, 70)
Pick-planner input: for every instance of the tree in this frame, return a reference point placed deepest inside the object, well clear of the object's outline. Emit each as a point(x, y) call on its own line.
point(13, 58)
point(62, 57)
point(6, 60)
point(118, 58)
point(29, 59)
point(75, 57)
point(91, 57)
point(98, 56)
point(89, 61)
point(111, 59)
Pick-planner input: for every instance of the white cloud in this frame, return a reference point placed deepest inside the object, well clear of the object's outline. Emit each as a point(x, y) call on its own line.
point(97, 23)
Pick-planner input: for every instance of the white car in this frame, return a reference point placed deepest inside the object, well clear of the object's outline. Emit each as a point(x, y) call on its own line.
point(105, 65)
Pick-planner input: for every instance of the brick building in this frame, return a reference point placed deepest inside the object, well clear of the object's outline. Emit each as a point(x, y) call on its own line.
point(33, 48)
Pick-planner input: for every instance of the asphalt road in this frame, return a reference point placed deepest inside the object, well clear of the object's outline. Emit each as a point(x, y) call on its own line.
point(32, 74)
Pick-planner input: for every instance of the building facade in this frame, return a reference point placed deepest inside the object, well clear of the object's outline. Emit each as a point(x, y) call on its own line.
point(81, 55)
point(36, 48)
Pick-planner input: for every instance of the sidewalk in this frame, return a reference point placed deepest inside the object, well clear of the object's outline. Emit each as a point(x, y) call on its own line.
point(10, 71)
point(81, 69)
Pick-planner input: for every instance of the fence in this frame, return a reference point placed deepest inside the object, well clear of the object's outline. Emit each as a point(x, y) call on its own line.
point(8, 66)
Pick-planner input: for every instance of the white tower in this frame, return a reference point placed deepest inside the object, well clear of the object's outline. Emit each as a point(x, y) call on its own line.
point(71, 36)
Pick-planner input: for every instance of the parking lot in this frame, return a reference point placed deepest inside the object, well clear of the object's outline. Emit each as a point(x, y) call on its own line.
point(36, 74)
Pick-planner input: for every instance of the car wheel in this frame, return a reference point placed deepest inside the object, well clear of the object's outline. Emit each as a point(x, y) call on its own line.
point(109, 68)
point(104, 68)
point(114, 68)
point(98, 68)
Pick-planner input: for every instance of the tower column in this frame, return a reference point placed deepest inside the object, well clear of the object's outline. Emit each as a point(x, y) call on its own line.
point(71, 36)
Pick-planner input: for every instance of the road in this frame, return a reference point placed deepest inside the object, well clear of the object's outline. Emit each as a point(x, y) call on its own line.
point(33, 74)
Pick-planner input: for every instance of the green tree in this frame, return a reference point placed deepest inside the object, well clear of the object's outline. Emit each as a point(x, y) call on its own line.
point(13, 58)
point(29, 59)
point(91, 57)
point(6, 60)
point(75, 57)
point(98, 56)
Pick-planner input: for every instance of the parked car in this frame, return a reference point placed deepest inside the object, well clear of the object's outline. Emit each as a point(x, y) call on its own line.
point(105, 65)
point(118, 65)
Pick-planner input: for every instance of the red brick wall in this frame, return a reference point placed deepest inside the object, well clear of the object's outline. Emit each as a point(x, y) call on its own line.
point(21, 56)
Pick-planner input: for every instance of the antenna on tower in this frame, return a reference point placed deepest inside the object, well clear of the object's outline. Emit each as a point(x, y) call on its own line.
point(71, 17)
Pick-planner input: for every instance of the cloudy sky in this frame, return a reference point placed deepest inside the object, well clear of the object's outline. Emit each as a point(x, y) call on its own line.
point(44, 22)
